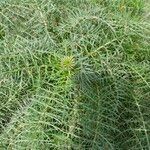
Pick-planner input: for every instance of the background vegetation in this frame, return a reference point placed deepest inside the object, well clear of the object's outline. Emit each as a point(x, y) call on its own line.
point(75, 75)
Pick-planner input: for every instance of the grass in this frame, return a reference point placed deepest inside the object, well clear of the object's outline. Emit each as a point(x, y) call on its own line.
point(74, 75)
